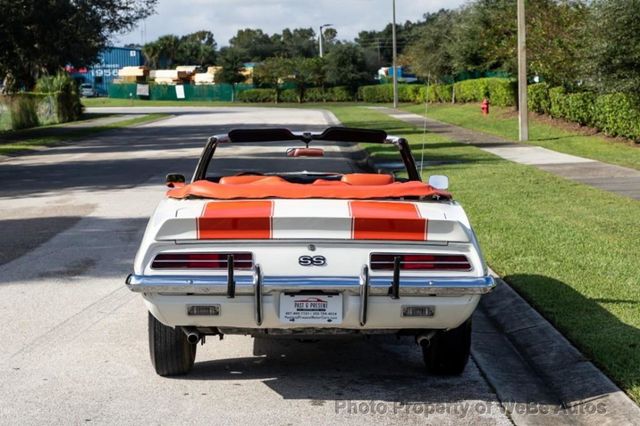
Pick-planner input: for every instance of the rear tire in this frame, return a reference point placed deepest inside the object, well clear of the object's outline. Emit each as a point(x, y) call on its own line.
point(447, 353)
point(171, 353)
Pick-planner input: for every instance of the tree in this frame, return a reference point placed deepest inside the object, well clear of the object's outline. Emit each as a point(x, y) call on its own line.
point(301, 42)
point(346, 66)
point(429, 54)
point(485, 37)
point(253, 45)
point(271, 73)
point(303, 72)
point(38, 39)
point(615, 49)
point(379, 44)
point(198, 48)
point(329, 37)
point(481, 37)
point(162, 53)
point(232, 68)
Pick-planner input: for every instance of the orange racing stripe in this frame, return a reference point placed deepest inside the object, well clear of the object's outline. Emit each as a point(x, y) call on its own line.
point(387, 221)
point(233, 220)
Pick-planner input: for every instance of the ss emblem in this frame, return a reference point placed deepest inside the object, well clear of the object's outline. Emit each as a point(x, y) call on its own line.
point(312, 260)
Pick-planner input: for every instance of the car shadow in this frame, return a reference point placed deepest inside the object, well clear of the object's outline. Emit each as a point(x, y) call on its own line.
point(379, 368)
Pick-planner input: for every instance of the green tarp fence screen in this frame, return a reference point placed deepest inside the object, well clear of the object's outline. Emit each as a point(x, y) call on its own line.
point(166, 92)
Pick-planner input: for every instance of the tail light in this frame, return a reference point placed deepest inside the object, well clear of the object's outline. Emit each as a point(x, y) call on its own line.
point(201, 261)
point(420, 262)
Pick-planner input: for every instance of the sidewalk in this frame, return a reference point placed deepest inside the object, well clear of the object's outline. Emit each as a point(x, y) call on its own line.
point(608, 177)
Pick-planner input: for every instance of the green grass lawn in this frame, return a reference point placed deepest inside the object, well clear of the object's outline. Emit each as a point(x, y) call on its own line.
point(569, 249)
point(504, 122)
point(12, 142)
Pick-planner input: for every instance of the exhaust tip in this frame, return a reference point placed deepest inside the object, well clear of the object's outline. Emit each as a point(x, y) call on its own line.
point(193, 337)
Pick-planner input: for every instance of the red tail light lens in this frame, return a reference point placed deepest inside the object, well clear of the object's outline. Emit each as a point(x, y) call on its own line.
point(201, 261)
point(420, 262)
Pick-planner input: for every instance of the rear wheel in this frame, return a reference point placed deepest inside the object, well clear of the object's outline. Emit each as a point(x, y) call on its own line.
point(171, 353)
point(447, 352)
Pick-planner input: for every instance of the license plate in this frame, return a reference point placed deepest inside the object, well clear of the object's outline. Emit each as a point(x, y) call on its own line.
point(311, 308)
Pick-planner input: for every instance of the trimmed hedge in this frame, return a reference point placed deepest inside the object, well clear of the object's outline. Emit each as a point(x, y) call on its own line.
point(435, 93)
point(538, 98)
point(383, 93)
point(289, 96)
point(340, 94)
point(578, 107)
point(313, 94)
point(500, 91)
point(257, 95)
point(618, 114)
point(614, 114)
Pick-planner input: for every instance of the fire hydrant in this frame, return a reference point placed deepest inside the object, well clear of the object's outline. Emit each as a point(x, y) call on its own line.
point(485, 106)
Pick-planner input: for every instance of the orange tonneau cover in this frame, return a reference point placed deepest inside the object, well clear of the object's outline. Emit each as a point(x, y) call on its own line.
point(318, 189)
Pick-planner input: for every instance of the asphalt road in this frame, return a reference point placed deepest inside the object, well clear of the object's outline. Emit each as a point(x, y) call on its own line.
point(74, 339)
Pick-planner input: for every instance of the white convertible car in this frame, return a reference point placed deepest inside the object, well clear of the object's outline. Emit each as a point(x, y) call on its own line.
point(281, 251)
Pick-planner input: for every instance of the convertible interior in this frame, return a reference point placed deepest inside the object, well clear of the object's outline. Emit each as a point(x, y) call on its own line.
point(349, 179)
point(347, 186)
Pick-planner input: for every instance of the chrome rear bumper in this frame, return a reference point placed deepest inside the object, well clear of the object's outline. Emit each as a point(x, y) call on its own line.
point(245, 285)
point(259, 286)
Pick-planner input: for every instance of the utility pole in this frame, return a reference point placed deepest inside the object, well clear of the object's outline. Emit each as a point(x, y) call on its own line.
point(394, 65)
point(320, 37)
point(523, 117)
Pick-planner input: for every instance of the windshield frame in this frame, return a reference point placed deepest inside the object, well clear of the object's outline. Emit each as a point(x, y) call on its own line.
point(266, 135)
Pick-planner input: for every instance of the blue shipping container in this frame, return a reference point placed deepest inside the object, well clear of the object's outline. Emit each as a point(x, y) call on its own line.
point(102, 74)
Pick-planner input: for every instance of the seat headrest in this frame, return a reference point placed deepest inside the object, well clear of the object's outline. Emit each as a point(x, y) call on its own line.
point(367, 179)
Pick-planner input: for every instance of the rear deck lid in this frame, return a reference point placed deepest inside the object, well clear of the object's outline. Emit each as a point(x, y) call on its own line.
point(313, 219)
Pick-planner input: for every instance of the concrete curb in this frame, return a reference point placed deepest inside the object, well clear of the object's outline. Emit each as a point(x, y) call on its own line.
point(571, 378)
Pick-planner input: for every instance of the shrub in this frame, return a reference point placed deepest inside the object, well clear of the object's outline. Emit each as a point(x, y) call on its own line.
point(62, 90)
point(407, 92)
point(257, 95)
point(500, 91)
point(615, 114)
point(340, 94)
point(618, 114)
point(376, 93)
point(331, 94)
point(578, 107)
point(289, 95)
point(316, 94)
point(557, 105)
point(23, 111)
point(383, 93)
point(538, 98)
point(435, 93)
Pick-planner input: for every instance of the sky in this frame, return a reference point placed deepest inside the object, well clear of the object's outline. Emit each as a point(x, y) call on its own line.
point(225, 17)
